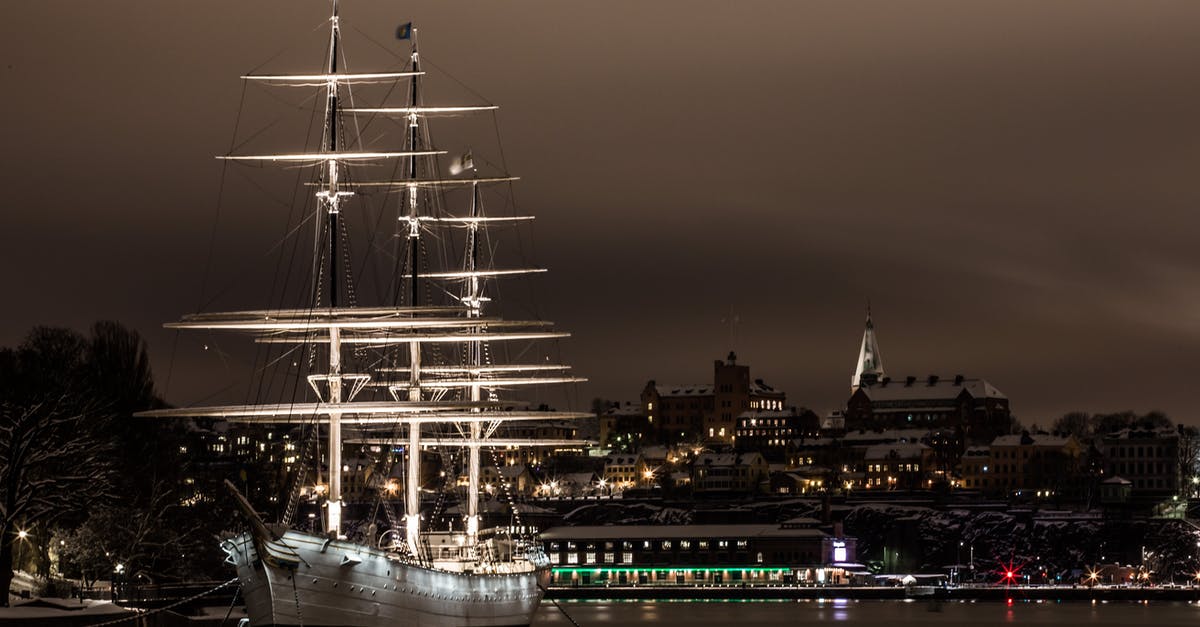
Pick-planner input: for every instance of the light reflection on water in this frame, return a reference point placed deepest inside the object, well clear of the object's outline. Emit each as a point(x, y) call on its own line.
point(684, 613)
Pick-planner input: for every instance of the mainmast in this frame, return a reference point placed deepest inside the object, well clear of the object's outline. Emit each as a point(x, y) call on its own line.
point(330, 197)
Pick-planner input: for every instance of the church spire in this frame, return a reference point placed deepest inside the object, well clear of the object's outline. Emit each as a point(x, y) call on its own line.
point(870, 363)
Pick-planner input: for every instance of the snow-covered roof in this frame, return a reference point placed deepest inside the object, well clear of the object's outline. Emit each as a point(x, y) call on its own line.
point(662, 532)
point(1030, 439)
point(762, 413)
point(940, 389)
point(625, 409)
point(655, 452)
point(802, 521)
point(812, 442)
point(757, 387)
point(1142, 434)
point(508, 472)
point(727, 459)
point(694, 389)
point(903, 450)
point(578, 478)
point(890, 435)
point(622, 459)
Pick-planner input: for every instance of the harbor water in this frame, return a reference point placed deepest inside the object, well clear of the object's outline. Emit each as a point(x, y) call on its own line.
point(866, 612)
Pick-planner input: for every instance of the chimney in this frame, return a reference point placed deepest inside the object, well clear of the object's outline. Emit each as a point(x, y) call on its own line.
point(909, 381)
point(933, 379)
point(958, 379)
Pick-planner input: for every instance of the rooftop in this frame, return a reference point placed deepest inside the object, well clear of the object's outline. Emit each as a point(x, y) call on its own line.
point(662, 532)
point(930, 388)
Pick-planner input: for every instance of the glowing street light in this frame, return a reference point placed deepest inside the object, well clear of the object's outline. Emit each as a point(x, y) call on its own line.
point(22, 534)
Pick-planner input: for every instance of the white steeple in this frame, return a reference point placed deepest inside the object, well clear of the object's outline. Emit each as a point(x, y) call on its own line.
point(870, 363)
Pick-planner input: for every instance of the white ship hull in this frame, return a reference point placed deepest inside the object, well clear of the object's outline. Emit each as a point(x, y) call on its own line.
point(342, 584)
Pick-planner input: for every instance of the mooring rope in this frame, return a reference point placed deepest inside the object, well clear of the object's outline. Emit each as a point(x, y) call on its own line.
point(138, 614)
point(556, 605)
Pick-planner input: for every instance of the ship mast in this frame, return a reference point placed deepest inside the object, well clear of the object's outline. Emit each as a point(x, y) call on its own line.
point(330, 197)
point(412, 484)
point(474, 310)
point(326, 319)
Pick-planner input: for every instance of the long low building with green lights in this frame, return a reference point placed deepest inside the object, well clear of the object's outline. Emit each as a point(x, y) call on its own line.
point(794, 553)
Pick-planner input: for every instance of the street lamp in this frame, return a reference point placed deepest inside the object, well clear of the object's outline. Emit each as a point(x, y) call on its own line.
point(23, 536)
point(958, 562)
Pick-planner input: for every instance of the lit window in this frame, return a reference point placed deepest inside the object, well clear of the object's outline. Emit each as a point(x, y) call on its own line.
point(591, 558)
point(609, 558)
point(572, 558)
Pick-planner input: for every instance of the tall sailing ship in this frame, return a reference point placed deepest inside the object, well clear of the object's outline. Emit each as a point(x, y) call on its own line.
point(425, 367)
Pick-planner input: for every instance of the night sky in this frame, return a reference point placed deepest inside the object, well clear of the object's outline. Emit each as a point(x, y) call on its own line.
point(1011, 184)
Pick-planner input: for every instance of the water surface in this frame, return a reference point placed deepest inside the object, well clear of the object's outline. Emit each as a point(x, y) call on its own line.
point(867, 612)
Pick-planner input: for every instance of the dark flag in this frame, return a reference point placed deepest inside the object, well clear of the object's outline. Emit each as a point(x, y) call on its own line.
point(404, 31)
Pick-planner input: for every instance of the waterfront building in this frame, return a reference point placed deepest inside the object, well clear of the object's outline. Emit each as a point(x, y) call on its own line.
point(975, 409)
point(581, 484)
point(794, 552)
point(707, 412)
point(771, 432)
point(802, 480)
point(846, 458)
point(623, 426)
point(518, 477)
point(715, 474)
point(1147, 458)
point(544, 430)
point(626, 470)
point(897, 466)
point(1026, 466)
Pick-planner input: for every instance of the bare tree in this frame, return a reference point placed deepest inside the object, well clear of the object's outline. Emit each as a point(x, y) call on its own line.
point(1189, 458)
point(51, 466)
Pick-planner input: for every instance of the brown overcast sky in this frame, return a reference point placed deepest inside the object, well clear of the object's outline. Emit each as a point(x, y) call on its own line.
point(1010, 183)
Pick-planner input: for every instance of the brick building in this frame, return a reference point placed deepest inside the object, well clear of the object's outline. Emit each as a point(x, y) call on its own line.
point(706, 412)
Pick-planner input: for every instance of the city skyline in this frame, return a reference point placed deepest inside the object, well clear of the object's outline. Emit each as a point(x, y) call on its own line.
point(1008, 184)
